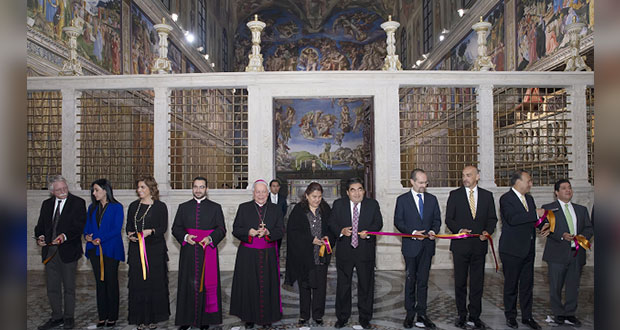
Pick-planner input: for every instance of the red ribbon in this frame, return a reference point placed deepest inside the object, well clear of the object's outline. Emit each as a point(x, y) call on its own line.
point(446, 236)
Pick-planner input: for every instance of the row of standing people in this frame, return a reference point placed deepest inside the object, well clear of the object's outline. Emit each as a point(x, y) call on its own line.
point(258, 225)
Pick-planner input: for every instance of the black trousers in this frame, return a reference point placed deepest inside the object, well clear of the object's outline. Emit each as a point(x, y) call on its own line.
point(518, 277)
point(365, 288)
point(58, 276)
point(416, 282)
point(107, 290)
point(472, 265)
point(560, 276)
point(312, 293)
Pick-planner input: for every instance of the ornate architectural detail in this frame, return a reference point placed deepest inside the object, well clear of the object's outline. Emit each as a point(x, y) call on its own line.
point(391, 59)
point(483, 62)
point(575, 62)
point(256, 58)
point(162, 64)
point(72, 66)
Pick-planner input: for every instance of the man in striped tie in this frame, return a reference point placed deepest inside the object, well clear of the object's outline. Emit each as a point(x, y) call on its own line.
point(471, 210)
point(563, 257)
point(351, 218)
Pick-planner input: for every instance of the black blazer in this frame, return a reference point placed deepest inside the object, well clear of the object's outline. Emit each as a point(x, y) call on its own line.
point(370, 220)
point(281, 203)
point(458, 216)
point(71, 223)
point(407, 219)
point(558, 250)
point(300, 250)
point(518, 232)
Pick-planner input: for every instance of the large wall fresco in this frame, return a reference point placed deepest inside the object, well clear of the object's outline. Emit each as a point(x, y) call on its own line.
point(144, 41)
point(349, 40)
point(463, 55)
point(101, 20)
point(322, 134)
point(541, 26)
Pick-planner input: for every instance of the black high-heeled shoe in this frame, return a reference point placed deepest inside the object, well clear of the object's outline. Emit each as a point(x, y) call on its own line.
point(101, 324)
point(110, 324)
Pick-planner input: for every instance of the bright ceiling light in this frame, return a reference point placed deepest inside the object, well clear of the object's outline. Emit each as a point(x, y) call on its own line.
point(174, 17)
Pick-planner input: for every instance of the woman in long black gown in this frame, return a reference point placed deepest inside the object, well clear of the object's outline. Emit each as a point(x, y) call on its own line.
point(306, 232)
point(148, 218)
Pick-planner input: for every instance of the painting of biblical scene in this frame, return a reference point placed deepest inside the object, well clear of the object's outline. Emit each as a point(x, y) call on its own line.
point(144, 42)
point(174, 54)
point(320, 134)
point(464, 53)
point(100, 20)
point(347, 40)
point(541, 26)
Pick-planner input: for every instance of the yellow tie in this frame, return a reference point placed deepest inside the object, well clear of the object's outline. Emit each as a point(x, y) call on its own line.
point(472, 203)
point(524, 203)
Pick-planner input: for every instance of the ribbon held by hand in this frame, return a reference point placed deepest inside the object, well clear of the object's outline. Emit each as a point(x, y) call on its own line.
point(442, 236)
point(325, 247)
point(144, 261)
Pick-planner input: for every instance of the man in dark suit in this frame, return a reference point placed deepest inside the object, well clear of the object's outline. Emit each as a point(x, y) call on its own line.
point(563, 266)
point(517, 248)
point(59, 232)
point(470, 209)
point(275, 197)
point(417, 212)
point(351, 218)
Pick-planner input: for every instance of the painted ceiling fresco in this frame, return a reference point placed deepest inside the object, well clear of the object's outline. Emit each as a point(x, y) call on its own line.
point(312, 13)
point(350, 39)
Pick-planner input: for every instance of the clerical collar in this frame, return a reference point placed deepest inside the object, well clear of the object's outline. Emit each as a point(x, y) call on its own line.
point(200, 200)
point(259, 204)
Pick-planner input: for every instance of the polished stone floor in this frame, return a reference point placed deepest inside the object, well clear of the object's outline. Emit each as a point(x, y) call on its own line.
point(388, 305)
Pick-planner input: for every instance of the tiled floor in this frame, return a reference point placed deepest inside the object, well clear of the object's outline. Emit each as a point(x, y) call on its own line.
point(388, 306)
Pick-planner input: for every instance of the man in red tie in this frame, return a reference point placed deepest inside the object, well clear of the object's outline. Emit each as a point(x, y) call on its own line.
point(352, 217)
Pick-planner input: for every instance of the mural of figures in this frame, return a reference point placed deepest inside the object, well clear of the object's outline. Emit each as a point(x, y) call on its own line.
point(174, 54)
point(144, 42)
point(464, 53)
point(541, 27)
point(348, 40)
point(101, 21)
point(310, 131)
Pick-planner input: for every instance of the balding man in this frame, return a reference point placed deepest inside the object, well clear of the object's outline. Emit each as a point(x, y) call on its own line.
point(470, 210)
point(255, 296)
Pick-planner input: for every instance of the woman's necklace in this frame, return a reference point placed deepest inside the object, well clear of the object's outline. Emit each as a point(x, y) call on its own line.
point(135, 217)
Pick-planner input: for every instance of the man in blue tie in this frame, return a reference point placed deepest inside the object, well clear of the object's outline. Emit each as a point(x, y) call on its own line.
point(417, 213)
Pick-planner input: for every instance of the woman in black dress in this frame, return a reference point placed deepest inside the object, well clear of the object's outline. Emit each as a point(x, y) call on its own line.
point(306, 232)
point(147, 218)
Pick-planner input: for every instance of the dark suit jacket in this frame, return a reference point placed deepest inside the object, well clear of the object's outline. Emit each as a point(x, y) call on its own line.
point(518, 232)
point(407, 219)
point(558, 250)
point(458, 216)
point(71, 223)
point(281, 203)
point(370, 220)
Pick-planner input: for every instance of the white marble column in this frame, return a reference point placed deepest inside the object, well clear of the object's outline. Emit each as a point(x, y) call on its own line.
point(387, 171)
point(260, 135)
point(578, 132)
point(486, 141)
point(70, 144)
point(161, 137)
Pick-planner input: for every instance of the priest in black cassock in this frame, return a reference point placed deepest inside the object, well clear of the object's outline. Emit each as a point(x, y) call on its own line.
point(199, 227)
point(255, 296)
